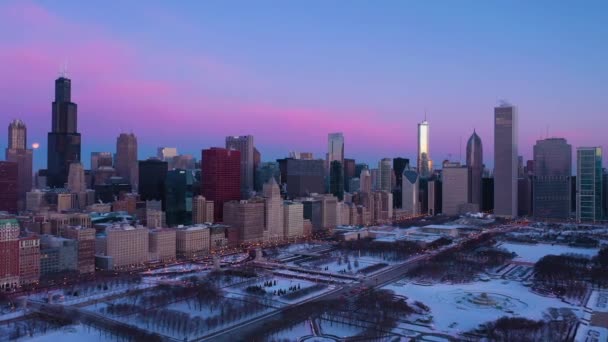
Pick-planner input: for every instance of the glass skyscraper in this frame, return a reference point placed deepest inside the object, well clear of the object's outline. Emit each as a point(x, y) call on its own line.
point(589, 184)
point(424, 163)
point(178, 197)
point(551, 181)
point(506, 161)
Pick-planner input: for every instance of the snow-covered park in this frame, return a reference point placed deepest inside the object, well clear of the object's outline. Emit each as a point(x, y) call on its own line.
point(533, 252)
point(461, 308)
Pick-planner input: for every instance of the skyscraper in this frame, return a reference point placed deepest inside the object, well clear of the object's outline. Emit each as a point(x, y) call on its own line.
point(455, 188)
point(244, 144)
point(178, 197)
point(385, 173)
point(64, 139)
point(76, 181)
point(304, 177)
point(365, 181)
point(336, 179)
point(8, 186)
point(152, 178)
point(399, 165)
point(551, 180)
point(410, 192)
point(589, 184)
point(506, 160)
point(273, 211)
point(475, 168)
point(349, 172)
point(166, 153)
point(101, 159)
point(424, 163)
point(221, 177)
point(17, 152)
point(335, 148)
point(126, 158)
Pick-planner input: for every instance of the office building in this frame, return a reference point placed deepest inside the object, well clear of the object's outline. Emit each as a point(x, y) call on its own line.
point(410, 192)
point(273, 211)
point(354, 185)
point(178, 197)
point(552, 178)
point(385, 174)
point(375, 173)
point(192, 241)
point(335, 148)
point(589, 184)
point(349, 173)
point(64, 139)
point(506, 161)
point(152, 180)
point(76, 180)
point(124, 247)
point(455, 181)
point(475, 167)
point(293, 219)
point(247, 218)
point(57, 255)
point(304, 177)
point(336, 181)
point(86, 246)
point(101, 159)
point(9, 186)
point(17, 152)
point(399, 166)
point(244, 144)
point(9, 254)
point(166, 153)
point(202, 210)
point(424, 162)
point(328, 219)
point(126, 159)
point(162, 245)
point(29, 260)
point(221, 178)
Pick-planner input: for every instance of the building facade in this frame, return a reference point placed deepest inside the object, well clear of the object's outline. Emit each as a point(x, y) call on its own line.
point(221, 178)
point(455, 188)
point(17, 152)
point(410, 193)
point(475, 167)
point(424, 162)
point(202, 210)
point(247, 217)
point(162, 245)
point(9, 187)
point(293, 219)
point(244, 144)
point(589, 184)
point(506, 160)
point(552, 178)
point(273, 207)
point(178, 197)
point(152, 180)
point(9, 254)
point(126, 158)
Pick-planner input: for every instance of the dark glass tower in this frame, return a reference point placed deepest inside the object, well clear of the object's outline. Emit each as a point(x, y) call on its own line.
point(64, 139)
point(152, 177)
point(399, 166)
point(178, 197)
point(336, 179)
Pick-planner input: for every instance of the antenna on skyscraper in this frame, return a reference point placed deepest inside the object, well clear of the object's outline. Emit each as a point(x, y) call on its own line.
point(63, 71)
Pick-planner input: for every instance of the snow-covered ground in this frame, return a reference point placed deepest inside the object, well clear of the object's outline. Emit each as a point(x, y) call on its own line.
point(533, 253)
point(454, 310)
point(74, 333)
point(339, 329)
point(292, 333)
point(591, 334)
point(177, 268)
point(598, 301)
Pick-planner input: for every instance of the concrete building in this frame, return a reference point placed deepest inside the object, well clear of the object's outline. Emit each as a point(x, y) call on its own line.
point(365, 180)
point(293, 219)
point(101, 159)
point(386, 174)
point(126, 247)
point(328, 211)
point(126, 158)
point(589, 184)
point(244, 144)
point(455, 188)
point(155, 218)
point(162, 244)
point(193, 241)
point(375, 175)
point(34, 200)
point(354, 184)
point(218, 236)
point(9, 254)
point(67, 202)
point(552, 178)
point(410, 193)
point(86, 246)
point(336, 179)
point(475, 166)
point(273, 211)
point(349, 173)
point(29, 260)
point(506, 160)
point(247, 217)
point(76, 180)
point(202, 210)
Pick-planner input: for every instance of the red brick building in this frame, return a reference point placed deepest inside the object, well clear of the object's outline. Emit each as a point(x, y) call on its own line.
point(9, 254)
point(29, 260)
point(9, 195)
point(221, 170)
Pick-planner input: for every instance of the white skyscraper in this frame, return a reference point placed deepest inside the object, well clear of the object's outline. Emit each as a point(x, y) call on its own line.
point(365, 181)
point(424, 162)
point(410, 192)
point(335, 148)
point(273, 205)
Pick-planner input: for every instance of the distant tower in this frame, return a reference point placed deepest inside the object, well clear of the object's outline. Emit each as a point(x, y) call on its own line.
point(273, 205)
point(335, 148)
point(17, 152)
point(475, 166)
point(126, 158)
point(552, 178)
point(221, 172)
point(64, 139)
point(410, 192)
point(365, 181)
point(76, 180)
point(506, 161)
point(385, 173)
point(336, 179)
point(589, 184)
point(424, 163)
point(244, 144)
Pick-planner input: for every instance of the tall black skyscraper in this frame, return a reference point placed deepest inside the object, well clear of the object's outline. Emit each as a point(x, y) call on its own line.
point(64, 139)
point(152, 180)
point(336, 179)
point(399, 166)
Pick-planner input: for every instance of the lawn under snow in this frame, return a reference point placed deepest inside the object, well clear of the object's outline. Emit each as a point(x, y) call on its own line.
point(453, 312)
point(533, 253)
point(74, 333)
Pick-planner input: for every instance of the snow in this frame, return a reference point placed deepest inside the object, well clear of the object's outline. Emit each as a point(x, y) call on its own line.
point(591, 334)
point(73, 333)
point(598, 301)
point(453, 313)
point(339, 329)
point(533, 253)
point(177, 268)
point(294, 332)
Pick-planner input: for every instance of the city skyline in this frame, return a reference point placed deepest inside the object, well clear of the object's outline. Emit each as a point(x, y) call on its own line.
point(377, 124)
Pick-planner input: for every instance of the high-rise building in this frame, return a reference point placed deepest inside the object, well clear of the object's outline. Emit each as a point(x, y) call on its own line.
point(304, 177)
point(76, 181)
point(126, 158)
point(247, 218)
point(506, 160)
point(9, 185)
point(178, 197)
point(268, 170)
point(552, 177)
point(328, 211)
point(162, 244)
point(9, 254)
point(293, 219)
point(64, 139)
point(166, 153)
point(17, 152)
point(424, 162)
point(336, 181)
point(349, 172)
point(29, 260)
point(101, 159)
point(375, 173)
point(455, 188)
point(86, 246)
point(475, 167)
point(152, 180)
point(124, 247)
point(244, 144)
point(273, 211)
point(385, 173)
point(202, 210)
point(354, 184)
point(365, 181)
point(193, 241)
point(410, 192)
point(335, 148)
point(221, 177)
point(257, 160)
point(589, 184)
point(399, 165)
